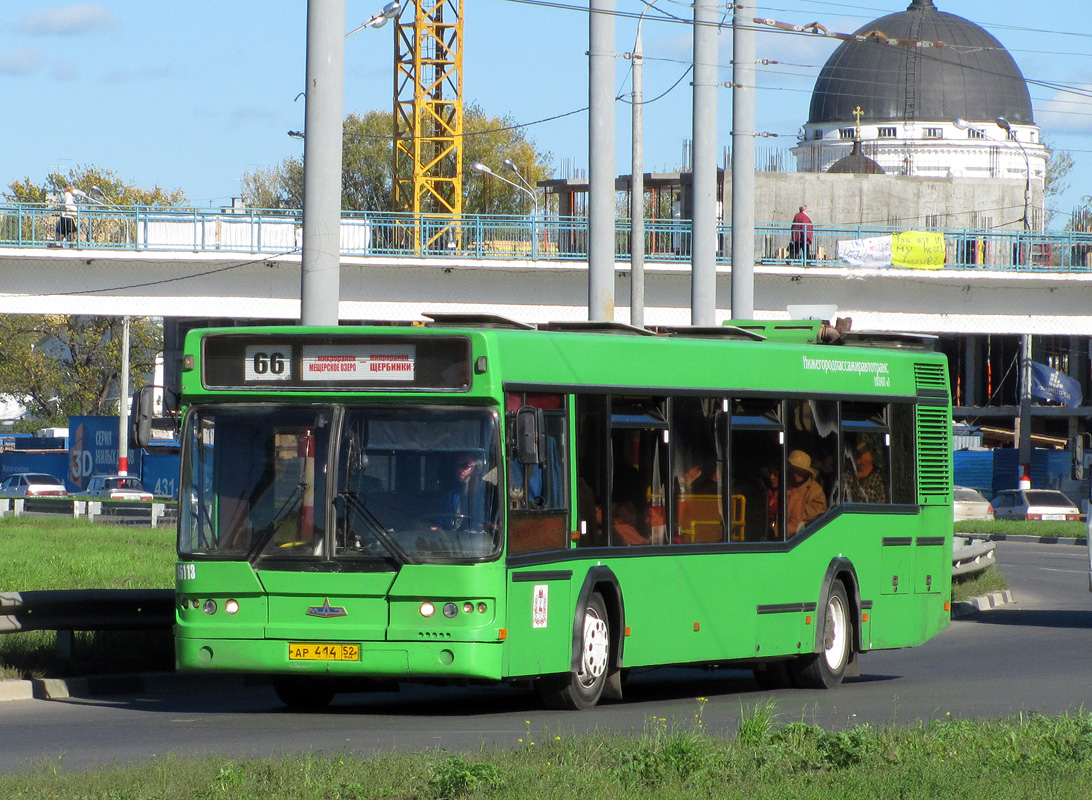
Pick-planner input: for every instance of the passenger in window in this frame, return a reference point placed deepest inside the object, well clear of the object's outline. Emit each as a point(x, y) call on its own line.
point(805, 499)
point(624, 522)
point(773, 501)
point(699, 479)
point(871, 478)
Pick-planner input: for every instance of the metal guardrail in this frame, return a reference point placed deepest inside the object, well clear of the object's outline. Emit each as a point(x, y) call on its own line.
point(491, 236)
point(136, 512)
point(971, 555)
point(87, 610)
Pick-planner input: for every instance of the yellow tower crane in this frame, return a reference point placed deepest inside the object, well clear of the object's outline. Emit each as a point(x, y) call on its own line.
point(428, 115)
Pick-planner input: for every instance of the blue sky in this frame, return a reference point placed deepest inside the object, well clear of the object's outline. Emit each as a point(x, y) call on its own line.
point(191, 95)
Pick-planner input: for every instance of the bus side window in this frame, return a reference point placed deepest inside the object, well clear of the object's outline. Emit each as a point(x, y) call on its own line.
point(903, 457)
point(757, 455)
point(591, 469)
point(866, 455)
point(538, 512)
point(697, 492)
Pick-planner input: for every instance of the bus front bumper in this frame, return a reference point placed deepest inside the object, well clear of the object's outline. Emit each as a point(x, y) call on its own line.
point(387, 660)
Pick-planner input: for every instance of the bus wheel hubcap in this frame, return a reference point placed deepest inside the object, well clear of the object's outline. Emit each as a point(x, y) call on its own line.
point(835, 634)
point(593, 661)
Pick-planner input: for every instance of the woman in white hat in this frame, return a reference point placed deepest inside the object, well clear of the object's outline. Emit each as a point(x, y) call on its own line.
point(805, 499)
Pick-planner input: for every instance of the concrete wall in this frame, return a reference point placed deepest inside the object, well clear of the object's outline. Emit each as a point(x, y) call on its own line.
point(898, 201)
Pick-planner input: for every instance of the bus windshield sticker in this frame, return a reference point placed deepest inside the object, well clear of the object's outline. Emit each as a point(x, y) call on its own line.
point(539, 615)
point(332, 362)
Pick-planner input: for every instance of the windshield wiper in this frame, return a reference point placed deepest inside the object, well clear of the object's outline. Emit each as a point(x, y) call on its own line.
point(381, 534)
point(288, 507)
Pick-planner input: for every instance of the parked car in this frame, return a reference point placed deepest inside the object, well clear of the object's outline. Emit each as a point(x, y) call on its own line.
point(1048, 504)
point(115, 487)
point(33, 484)
point(971, 504)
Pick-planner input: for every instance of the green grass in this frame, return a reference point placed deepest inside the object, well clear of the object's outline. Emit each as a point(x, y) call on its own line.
point(76, 554)
point(1028, 757)
point(1014, 527)
point(977, 584)
point(47, 553)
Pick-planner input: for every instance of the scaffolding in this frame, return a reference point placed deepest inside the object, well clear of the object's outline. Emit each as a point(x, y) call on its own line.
point(428, 115)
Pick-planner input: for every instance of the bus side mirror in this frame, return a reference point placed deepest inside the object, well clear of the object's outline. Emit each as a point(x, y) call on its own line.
point(140, 417)
point(530, 436)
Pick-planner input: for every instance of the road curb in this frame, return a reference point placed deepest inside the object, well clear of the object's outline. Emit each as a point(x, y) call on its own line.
point(106, 685)
point(1022, 537)
point(982, 603)
point(16, 690)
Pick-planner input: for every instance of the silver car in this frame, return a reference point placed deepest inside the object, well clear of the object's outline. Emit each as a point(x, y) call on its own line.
point(1034, 504)
point(33, 484)
point(116, 487)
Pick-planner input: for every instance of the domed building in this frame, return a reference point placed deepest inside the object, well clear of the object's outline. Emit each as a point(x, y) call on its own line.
point(934, 95)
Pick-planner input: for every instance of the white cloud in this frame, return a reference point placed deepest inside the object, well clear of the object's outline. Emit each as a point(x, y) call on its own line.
point(1065, 112)
point(22, 62)
point(68, 21)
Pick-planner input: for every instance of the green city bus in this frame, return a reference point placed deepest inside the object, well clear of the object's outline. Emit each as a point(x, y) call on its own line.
point(472, 499)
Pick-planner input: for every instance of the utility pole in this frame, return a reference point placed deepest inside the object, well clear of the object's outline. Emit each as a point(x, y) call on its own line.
point(743, 163)
point(703, 253)
point(601, 161)
point(637, 189)
point(1024, 422)
point(123, 402)
point(320, 279)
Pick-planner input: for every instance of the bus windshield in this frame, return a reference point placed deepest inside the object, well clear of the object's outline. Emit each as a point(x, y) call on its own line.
point(378, 486)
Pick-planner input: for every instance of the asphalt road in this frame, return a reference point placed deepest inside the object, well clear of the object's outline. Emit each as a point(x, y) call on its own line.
point(1032, 655)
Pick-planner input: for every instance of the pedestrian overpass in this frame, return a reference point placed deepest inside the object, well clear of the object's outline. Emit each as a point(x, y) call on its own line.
point(193, 263)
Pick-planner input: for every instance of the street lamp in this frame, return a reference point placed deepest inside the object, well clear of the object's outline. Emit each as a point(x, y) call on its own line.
point(510, 165)
point(478, 166)
point(389, 12)
point(320, 257)
point(1003, 123)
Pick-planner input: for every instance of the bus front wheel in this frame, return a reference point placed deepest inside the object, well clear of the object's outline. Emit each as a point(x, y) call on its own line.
point(582, 687)
point(825, 669)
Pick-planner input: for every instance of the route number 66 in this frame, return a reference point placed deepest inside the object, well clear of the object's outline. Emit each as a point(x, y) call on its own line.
point(268, 364)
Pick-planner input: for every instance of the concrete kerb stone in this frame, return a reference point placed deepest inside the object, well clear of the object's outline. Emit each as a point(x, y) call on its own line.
point(984, 602)
point(106, 685)
point(1021, 537)
point(16, 690)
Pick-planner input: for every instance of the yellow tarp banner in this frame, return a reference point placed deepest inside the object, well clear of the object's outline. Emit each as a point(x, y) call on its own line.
point(917, 249)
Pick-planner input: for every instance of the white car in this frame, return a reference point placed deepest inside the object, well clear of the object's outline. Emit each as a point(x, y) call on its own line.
point(116, 487)
point(971, 504)
point(33, 484)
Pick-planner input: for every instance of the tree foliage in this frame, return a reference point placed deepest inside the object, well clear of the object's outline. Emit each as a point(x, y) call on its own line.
point(103, 185)
point(1058, 166)
point(367, 182)
point(60, 366)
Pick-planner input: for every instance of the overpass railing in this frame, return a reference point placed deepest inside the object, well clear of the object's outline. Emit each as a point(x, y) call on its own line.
point(486, 236)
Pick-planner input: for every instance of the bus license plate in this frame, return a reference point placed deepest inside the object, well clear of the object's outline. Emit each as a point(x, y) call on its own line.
point(313, 651)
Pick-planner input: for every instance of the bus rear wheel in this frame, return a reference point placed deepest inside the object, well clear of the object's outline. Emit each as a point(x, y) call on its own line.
point(825, 669)
point(582, 687)
point(303, 694)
